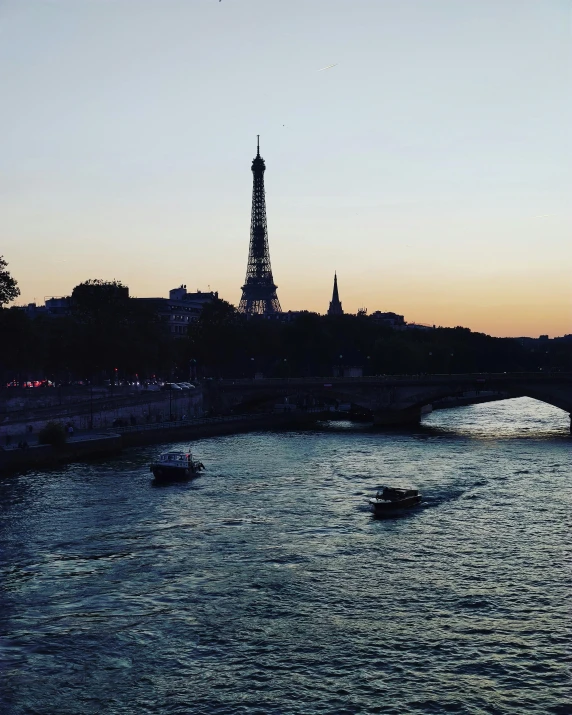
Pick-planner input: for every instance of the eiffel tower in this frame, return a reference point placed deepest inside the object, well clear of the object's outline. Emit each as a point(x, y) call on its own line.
point(259, 291)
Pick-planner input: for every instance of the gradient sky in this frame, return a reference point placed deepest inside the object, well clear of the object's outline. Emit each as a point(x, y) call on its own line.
point(431, 167)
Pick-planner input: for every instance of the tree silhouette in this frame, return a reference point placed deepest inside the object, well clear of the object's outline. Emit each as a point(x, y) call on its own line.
point(113, 332)
point(8, 286)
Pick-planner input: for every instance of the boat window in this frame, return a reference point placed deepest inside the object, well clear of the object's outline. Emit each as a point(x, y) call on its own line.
point(174, 457)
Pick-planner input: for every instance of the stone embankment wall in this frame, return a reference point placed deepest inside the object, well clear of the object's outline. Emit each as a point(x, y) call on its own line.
point(212, 427)
point(151, 408)
point(15, 460)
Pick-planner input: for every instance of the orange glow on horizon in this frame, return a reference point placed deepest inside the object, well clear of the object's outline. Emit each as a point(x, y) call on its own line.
point(506, 311)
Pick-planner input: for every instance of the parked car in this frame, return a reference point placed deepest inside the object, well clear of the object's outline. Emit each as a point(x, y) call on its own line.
point(186, 385)
point(171, 386)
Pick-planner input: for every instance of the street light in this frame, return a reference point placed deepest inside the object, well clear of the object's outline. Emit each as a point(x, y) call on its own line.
point(91, 404)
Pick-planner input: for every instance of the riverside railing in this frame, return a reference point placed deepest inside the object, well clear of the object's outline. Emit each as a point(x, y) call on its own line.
point(200, 421)
point(170, 424)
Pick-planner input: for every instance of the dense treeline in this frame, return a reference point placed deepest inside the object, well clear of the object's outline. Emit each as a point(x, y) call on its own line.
point(228, 345)
point(109, 335)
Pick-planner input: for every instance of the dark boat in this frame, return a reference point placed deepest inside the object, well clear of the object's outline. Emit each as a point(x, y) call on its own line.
point(392, 500)
point(175, 467)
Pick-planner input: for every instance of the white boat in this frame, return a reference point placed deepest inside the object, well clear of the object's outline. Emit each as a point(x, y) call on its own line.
point(175, 466)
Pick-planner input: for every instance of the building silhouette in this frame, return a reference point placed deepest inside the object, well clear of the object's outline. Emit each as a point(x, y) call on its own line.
point(177, 312)
point(180, 309)
point(259, 291)
point(335, 305)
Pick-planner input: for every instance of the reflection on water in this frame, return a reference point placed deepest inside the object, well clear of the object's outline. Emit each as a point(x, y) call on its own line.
point(518, 417)
point(265, 586)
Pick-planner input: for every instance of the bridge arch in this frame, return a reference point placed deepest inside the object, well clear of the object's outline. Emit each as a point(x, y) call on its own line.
point(548, 397)
point(394, 399)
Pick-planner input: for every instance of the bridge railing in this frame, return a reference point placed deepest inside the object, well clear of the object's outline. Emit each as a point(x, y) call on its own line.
point(477, 377)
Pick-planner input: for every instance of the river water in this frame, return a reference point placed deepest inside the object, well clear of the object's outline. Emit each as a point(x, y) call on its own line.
point(266, 587)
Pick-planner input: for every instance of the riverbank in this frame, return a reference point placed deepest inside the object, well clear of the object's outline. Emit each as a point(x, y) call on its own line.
point(107, 444)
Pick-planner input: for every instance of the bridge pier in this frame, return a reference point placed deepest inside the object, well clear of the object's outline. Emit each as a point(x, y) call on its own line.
point(407, 417)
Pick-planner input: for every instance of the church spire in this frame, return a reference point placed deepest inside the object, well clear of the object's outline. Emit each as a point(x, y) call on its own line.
point(335, 305)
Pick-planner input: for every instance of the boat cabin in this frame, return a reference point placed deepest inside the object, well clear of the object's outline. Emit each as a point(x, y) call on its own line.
point(396, 493)
point(176, 457)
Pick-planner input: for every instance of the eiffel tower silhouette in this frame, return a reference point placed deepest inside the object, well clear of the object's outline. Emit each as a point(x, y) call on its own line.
point(259, 290)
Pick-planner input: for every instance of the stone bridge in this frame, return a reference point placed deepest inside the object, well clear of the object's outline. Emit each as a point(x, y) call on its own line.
point(391, 400)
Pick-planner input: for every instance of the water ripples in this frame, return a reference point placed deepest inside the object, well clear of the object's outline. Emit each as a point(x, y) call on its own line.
point(265, 586)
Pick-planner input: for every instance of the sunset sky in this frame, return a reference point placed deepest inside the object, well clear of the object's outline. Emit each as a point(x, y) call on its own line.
point(431, 166)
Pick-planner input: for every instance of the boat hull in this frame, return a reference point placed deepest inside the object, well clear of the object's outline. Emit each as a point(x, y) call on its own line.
point(385, 508)
point(172, 474)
